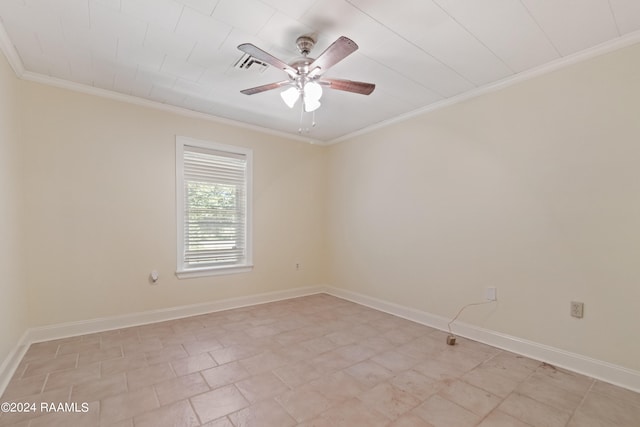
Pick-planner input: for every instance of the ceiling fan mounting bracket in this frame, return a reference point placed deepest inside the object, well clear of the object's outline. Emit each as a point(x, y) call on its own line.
point(305, 44)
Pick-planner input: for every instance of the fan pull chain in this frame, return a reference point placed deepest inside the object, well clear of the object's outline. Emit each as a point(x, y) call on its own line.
point(302, 129)
point(301, 116)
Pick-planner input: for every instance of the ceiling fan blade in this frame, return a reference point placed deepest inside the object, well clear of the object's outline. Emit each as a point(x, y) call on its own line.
point(335, 53)
point(349, 85)
point(264, 88)
point(260, 54)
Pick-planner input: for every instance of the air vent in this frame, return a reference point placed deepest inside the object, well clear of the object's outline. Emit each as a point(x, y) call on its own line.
point(248, 62)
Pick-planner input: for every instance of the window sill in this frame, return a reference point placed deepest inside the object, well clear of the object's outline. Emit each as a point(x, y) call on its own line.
point(213, 271)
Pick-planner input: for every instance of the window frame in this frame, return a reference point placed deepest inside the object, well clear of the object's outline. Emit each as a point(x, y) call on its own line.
point(182, 271)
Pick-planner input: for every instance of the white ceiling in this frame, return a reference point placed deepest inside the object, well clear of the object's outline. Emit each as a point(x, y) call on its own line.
point(418, 52)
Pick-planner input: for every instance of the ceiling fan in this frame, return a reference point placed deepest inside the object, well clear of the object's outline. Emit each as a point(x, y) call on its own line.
point(305, 74)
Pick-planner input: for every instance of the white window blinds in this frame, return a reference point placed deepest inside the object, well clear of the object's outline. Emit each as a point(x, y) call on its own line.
point(215, 206)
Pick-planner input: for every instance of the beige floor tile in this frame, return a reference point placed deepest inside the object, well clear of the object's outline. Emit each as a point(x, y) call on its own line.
point(581, 419)
point(267, 413)
point(121, 423)
point(616, 392)
point(421, 348)
point(191, 364)
point(316, 361)
point(303, 404)
point(45, 366)
point(46, 349)
point(400, 336)
point(533, 412)
point(354, 353)
point(72, 376)
point(262, 362)
point(369, 373)
point(57, 395)
point(342, 337)
point(500, 419)
point(218, 403)
point(178, 414)
point(569, 381)
point(127, 363)
point(166, 354)
point(233, 353)
point(202, 346)
point(23, 387)
point(461, 358)
point(410, 420)
point(353, 413)
point(294, 353)
point(180, 388)
point(142, 346)
point(443, 413)
point(475, 399)
point(395, 361)
point(439, 369)
point(416, 384)
point(176, 339)
point(513, 366)
point(259, 387)
point(225, 374)
point(389, 400)
point(78, 347)
point(100, 388)
point(127, 405)
point(297, 374)
point(546, 391)
point(606, 407)
point(296, 336)
point(378, 343)
point(77, 416)
point(338, 386)
point(491, 379)
point(319, 345)
point(119, 340)
point(143, 377)
point(262, 331)
point(220, 422)
point(89, 357)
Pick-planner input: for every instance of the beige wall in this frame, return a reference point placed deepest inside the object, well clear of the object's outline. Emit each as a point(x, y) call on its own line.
point(534, 189)
point(100, 208)
point(13, 292)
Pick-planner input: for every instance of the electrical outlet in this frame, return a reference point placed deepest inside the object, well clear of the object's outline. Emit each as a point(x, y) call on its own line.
point(577, 309)
point(491, 294)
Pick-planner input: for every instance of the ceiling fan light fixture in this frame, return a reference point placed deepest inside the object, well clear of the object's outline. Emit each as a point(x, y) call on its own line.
point(313, 91)
point(290, 96)
point(311, 104)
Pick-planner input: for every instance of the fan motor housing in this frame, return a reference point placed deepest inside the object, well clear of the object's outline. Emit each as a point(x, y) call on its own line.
point(305, 44)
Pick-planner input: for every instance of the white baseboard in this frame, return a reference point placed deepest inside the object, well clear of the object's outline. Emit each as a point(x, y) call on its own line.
point(70, 329)
point(594, 368)
point(11, 362)
point(598, 369)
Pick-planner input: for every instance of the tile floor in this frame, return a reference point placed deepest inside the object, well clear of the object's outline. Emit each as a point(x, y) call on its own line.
point(311, 361)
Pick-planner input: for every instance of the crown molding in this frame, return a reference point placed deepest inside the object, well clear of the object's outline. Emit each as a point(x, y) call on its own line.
point(9, 50)
point(595, 51)
point(130, 99)
point(610, 46)
point(16, 64)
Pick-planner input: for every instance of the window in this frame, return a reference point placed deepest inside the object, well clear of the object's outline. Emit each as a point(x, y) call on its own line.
point(213, 192)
